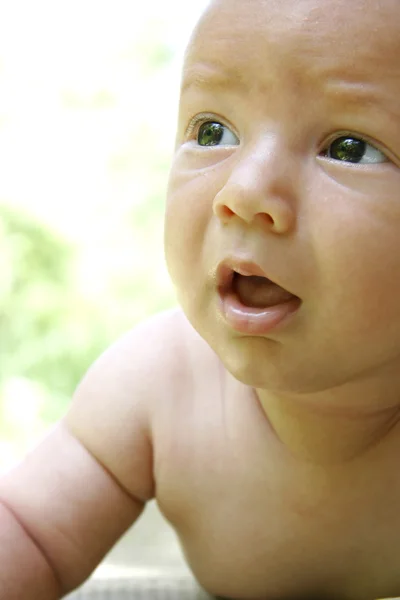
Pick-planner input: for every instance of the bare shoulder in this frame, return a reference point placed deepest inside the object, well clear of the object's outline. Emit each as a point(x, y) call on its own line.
point(122, 407)
point(112, 408)
point(141, 361)
point(74, 495)
point(182, 360)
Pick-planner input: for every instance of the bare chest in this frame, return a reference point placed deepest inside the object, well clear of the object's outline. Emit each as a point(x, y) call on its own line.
point(253, 523)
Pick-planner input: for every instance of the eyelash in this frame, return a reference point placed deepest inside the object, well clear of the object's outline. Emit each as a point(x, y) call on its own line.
point(351, 134)
point(198, 120)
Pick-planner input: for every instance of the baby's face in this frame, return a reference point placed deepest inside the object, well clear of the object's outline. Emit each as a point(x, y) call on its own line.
point(288, 153)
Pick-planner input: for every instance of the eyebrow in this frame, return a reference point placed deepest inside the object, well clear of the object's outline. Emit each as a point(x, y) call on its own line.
point(211, 76)
point(354, 92)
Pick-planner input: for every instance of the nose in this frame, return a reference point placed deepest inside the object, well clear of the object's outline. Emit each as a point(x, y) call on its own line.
point(261, 187)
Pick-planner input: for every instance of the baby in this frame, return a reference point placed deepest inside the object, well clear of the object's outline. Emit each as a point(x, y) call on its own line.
point(264, 414)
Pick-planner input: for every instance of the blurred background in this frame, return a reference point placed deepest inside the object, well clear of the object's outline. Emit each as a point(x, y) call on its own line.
point(88, 105)
point(88, 108)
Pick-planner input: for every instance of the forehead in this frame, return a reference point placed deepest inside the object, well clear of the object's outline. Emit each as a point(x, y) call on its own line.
point(240, 37)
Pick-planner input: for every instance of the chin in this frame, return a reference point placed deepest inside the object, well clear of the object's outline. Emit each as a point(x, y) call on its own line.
point(264, 370)
point(259, 362)
point(250, 364)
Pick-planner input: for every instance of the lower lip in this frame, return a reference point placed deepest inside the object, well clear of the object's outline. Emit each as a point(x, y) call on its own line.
point(256, 321)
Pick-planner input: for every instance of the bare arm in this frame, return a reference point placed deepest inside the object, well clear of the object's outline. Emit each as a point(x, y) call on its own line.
point(61, 512)
point(68, 502)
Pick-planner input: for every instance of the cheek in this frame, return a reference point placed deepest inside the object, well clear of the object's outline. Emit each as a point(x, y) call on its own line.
point(187, 216)
point(360, 269)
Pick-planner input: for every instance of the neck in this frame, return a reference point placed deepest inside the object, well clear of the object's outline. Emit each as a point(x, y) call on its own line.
point(337, 425)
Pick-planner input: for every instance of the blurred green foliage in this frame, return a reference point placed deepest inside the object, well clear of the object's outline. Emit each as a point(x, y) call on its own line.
point(48, 333)
point(51, 328)
point(79, 271)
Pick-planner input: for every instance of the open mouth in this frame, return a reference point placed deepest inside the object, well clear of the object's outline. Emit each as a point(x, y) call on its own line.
point(251, 303)
point(255, 291)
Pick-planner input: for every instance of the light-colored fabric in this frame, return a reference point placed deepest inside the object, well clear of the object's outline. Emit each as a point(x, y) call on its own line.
point(141, 588)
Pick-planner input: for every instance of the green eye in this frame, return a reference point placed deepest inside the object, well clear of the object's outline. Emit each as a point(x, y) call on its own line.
point(210, 134)
point(347, 149)
point(354, 150)
point(216, 134)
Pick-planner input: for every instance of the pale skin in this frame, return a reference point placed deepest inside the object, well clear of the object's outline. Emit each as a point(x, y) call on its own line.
point(275, 457)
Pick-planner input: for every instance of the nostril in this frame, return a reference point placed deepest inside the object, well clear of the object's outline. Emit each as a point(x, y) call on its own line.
point(227, 212)
point(265, 217)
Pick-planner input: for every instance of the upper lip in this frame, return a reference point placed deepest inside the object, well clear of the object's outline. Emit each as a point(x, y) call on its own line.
point(227, 268)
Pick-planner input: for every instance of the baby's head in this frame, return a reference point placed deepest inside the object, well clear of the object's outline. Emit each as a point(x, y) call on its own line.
point(288, 156)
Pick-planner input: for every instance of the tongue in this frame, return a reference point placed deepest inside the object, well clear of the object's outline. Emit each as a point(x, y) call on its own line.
point(259, 292)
